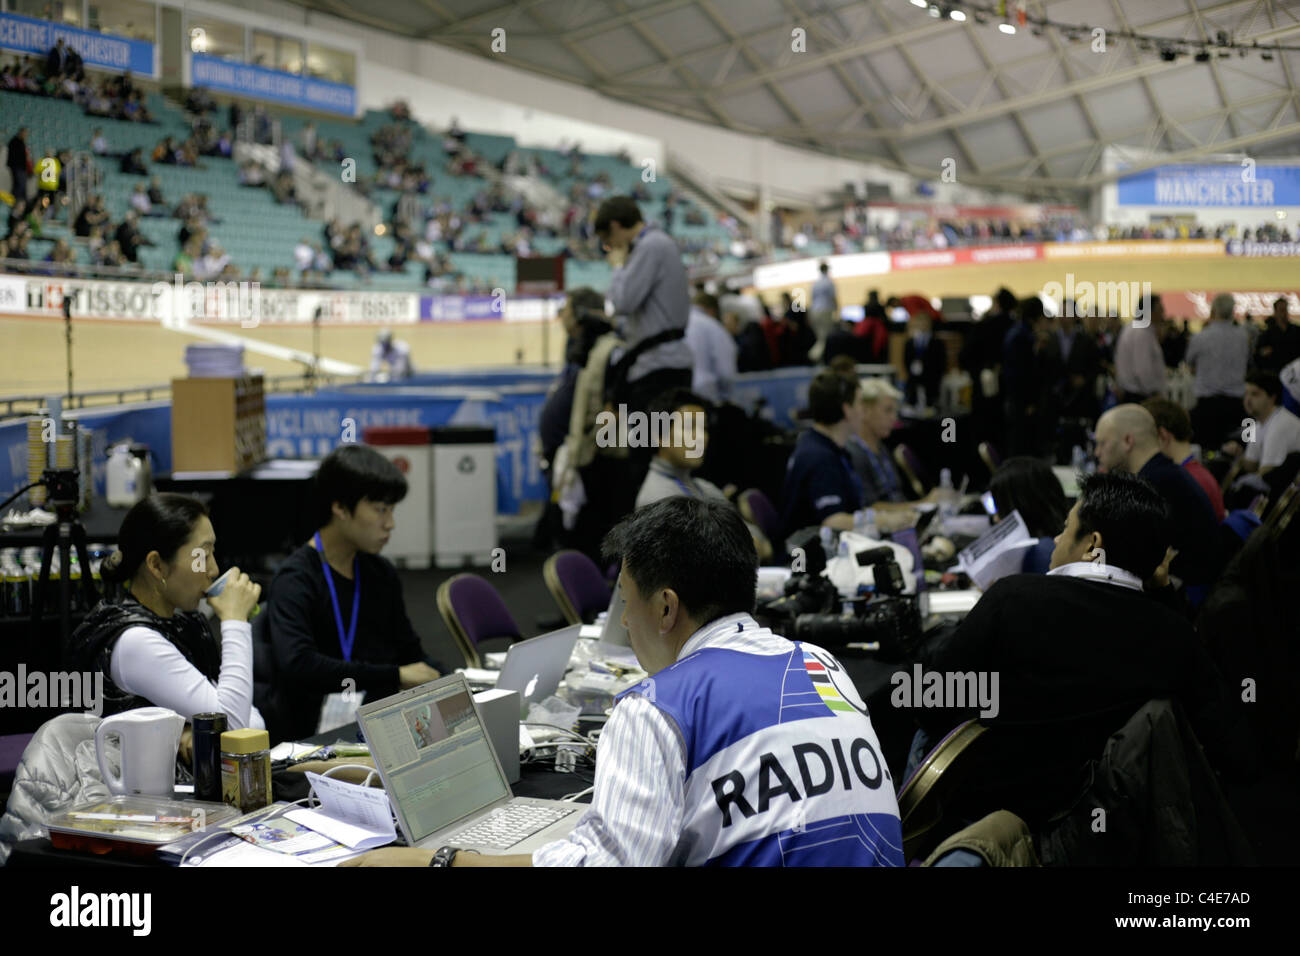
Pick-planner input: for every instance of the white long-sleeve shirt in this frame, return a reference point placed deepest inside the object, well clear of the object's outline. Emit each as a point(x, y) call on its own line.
point(146, 663)
point(638, 805)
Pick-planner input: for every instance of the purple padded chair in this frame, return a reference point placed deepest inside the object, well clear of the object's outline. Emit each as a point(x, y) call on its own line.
point(910, 464)
point(474, 612)
point(577, 586)
point(764, 515)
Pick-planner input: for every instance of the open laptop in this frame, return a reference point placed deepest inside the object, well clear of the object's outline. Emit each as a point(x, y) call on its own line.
point(443, 777)
point(536, 666)
point(613, 631)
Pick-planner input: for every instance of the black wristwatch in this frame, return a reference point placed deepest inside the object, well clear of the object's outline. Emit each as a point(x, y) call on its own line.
point(444, 856)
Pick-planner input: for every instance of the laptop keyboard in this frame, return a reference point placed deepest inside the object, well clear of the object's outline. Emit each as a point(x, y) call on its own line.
point(510, 825)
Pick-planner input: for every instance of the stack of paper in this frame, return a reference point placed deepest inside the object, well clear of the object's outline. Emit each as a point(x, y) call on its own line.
point(215, 361)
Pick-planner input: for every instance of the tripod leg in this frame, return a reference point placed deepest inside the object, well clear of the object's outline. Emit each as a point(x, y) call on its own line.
point(65, 583)
point(43, 579)
point(88, 588)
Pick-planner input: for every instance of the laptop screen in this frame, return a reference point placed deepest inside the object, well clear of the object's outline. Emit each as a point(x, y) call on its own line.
point(436, 757)
point(614, 632)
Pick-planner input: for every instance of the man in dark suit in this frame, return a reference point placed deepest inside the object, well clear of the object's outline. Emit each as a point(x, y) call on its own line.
point(56, 61)
point(926, 360)
point(1078, 650)
point(1080, 363)
point(19, 162)
point(1021, 380)
point(1128, 440)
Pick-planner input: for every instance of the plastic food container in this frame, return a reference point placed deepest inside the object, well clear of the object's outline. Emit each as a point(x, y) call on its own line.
point(132, 825)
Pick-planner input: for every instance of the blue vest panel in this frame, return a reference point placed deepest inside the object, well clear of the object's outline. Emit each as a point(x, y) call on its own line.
point(783, 767)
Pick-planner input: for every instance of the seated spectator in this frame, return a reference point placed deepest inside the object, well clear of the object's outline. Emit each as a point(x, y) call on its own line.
point(133, 163)
point(1029, 486)
point(156, 193)
point(112, 255)
point(130, 238)
point(1127, 440)
point(166, 151)
point(141, 202)
point(881, 485)
point(95, 244)
point(671, 469)
point(688, 577)
point(1277, 429)
point(183, 264)
point(98, 143)
point(211, 264)
point(821, 487)
point(1279, 344)
point(1174, 426)
point(1114, 648)
point(190, 228)
point(62, 253)
point(315, 589)
point(302, 255)
point(282, 188)
point(92, 215)
point(152, 648)
point(321, 261)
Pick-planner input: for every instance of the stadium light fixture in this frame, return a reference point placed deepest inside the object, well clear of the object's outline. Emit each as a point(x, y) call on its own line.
point(958, 15)
point(921, 3)
point(1007, 28)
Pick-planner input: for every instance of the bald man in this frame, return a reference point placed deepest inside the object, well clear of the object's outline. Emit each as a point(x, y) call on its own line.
point(1127, 440)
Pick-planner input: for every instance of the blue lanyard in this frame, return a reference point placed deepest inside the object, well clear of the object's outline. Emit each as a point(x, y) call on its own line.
point(686, 489)
point(884, 474)
point(345, 640)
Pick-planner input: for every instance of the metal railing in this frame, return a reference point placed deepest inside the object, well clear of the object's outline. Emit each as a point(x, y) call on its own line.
point(19, 406)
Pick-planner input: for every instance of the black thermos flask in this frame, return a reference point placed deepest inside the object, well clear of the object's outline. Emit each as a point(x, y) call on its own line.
point(208, 729)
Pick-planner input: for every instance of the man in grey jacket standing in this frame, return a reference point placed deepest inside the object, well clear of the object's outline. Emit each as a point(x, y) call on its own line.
point(651, 299)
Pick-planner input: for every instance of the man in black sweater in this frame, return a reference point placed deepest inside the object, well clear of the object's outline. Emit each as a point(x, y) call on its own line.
point(1077, 651)
point(1127, 440)
point(336, 611)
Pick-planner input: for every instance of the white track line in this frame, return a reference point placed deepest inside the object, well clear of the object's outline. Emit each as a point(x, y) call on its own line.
point(282, 352)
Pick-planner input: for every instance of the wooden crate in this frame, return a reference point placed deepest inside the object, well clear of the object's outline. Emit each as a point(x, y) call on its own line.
point(218, 424)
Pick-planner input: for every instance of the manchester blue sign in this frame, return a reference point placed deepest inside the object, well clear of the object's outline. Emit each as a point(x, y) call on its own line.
point(26, 35)
point(241, 79)
point(1245, 185)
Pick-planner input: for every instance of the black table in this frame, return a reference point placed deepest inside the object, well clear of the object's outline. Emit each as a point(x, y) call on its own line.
point(257, 513)
point(534, 781)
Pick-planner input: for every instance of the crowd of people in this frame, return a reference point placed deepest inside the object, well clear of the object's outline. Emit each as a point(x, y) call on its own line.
point(1142, 581)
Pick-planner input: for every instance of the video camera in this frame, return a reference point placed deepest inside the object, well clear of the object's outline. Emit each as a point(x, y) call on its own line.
point(811, 608)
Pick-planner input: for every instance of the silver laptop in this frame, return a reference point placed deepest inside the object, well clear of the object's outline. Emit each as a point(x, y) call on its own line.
point(443, 777)
point(535, 667)
point(614, 632)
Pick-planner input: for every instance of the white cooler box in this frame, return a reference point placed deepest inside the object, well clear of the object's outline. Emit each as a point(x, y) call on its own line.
point(464, 494)
point(408, 448)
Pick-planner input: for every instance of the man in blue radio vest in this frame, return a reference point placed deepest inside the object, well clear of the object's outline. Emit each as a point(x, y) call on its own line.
point(742, 748)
